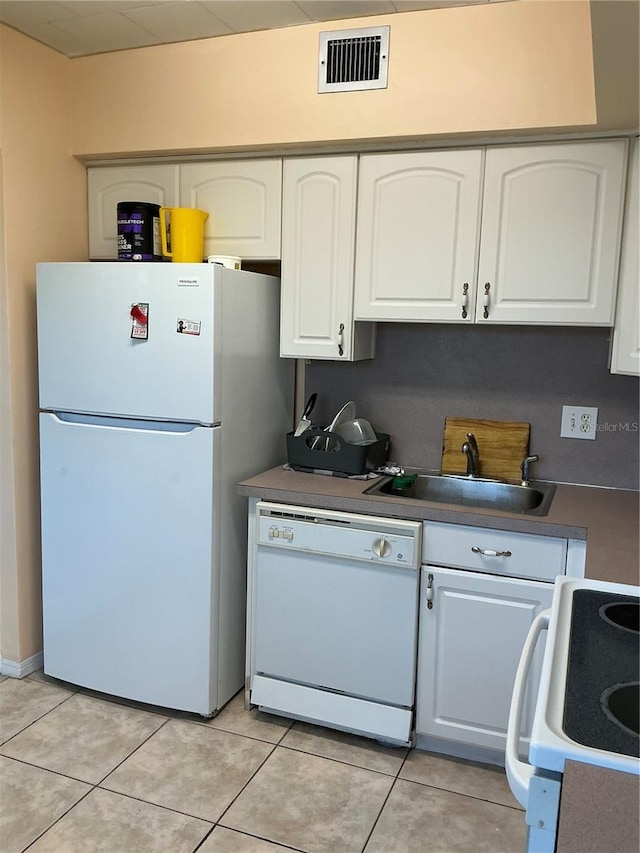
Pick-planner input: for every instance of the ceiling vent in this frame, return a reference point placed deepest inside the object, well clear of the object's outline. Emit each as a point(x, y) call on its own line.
point(352, 60)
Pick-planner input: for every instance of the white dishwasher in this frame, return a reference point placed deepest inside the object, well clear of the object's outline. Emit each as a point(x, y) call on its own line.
point(333, 619)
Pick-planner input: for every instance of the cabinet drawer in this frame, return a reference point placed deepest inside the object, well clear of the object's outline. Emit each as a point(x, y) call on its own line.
point(529, 555)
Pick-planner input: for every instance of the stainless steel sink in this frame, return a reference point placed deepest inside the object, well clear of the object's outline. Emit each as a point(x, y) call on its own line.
point(534, 499)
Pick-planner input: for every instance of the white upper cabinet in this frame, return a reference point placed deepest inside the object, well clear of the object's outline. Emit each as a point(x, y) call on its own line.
point(625, 355)
point(109, 185)
point(417, 240)
point(550, 240)
point(318, 245)
point(243, 200)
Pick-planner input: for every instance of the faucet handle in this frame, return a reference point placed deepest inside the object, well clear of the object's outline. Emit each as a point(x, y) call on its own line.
point(524, 467)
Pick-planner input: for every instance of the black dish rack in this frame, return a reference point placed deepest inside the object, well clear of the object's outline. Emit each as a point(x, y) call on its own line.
point(322, 450)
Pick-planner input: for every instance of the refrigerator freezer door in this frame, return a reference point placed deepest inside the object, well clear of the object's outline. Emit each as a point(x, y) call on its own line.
point(129, 576)
point(88, 359)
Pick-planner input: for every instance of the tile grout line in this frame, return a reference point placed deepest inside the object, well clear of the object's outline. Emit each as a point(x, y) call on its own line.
point(154, 805)
point(66, 775)
point(92, 785)
point(375, 823)
point(97, 786)
point(239, 734)
point(178, 811)
point(37, 720)
point(202, 840)
point(133, 752)
point(461, 794)
point(448, 790)
point(340, 761)
point(290, 749)
point(424, 785)
point(386, 800)
point(250, 779)
point(249, 835)
point(47, 770)
point(58, 819)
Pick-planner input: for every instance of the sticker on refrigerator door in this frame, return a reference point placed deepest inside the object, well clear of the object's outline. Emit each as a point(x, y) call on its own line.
point(188, 327)
point(139, 313)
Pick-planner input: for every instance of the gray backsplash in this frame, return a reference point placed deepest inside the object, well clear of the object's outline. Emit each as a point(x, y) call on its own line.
point(424, 373)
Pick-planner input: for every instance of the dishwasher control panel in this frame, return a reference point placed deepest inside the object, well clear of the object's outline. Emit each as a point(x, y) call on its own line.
point(345, 535)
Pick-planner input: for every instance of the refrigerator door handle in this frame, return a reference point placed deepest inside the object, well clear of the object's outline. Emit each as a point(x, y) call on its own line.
point(124, 423)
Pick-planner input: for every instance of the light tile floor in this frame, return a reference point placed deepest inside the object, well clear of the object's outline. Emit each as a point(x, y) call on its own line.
point(80, 773)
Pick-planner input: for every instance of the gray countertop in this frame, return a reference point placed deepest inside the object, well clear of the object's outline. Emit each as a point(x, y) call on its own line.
point(606, 518)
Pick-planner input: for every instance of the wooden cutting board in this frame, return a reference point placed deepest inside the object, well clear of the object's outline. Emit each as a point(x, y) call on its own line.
point(502, 446)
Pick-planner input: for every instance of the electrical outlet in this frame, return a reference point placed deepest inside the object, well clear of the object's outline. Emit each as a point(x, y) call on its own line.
point(579, 422)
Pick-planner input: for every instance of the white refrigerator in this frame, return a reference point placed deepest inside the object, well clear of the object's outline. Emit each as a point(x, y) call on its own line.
point(160, 389)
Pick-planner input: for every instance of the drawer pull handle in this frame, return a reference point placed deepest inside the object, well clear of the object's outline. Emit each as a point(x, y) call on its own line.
point(487, 552)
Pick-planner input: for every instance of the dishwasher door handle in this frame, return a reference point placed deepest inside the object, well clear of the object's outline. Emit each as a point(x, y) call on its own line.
point(519, 772)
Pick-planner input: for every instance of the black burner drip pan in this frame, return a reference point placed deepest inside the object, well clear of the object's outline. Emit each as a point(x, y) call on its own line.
point(603, 675)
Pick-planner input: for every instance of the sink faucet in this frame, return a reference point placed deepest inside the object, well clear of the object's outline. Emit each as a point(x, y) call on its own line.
point(470, 449)
point(525, 469)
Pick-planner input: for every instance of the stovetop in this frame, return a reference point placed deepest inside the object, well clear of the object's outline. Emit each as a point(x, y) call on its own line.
point(603, 673)
point(586, 708)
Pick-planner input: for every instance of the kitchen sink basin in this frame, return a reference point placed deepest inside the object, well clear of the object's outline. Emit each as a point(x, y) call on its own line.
point(477, 493)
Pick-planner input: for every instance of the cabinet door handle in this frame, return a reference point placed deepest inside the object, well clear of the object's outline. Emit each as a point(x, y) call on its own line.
point(465, 299)
point(429, 592)
point(485, 300)
point(341, 339)
point(487, 552)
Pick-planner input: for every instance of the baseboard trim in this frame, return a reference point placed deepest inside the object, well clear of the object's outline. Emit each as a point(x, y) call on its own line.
point(18, 669)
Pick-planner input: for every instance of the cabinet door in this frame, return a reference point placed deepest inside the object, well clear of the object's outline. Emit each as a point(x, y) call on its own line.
point(469, 647)
point(318, 233)
point(243, 200)
point(108, 185)
point(625, 356)
point(551, 224)
point(417, 243)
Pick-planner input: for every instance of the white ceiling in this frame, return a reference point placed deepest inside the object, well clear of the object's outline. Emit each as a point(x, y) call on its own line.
point(85, 27)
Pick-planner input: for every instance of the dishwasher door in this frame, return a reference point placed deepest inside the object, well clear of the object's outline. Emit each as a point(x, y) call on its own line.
point(335, 607)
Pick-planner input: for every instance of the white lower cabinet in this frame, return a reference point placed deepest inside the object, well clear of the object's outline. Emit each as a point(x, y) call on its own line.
point(469, 647)
point(480, 591)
